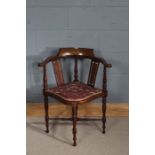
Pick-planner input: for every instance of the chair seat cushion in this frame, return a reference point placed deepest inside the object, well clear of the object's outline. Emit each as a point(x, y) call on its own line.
point(75, 91)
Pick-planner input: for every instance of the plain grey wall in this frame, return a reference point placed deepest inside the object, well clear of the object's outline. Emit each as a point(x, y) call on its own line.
point(98, 24)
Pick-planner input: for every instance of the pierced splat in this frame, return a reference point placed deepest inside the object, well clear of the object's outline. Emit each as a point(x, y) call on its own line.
point(58, 72)
point(92, 73)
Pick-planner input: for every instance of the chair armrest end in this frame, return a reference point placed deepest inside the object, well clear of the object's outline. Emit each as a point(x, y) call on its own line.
point(40, 64)
point(108, 65)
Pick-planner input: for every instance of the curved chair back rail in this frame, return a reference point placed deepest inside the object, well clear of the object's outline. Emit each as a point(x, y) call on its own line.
point(53, 58)
point(79, 53)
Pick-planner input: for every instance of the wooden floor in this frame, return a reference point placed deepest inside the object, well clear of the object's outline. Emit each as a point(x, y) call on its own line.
point(86, 110)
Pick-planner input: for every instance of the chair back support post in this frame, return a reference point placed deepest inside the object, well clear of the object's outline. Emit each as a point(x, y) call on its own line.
point(105, 79)
point(76, 70)
point(45, 84)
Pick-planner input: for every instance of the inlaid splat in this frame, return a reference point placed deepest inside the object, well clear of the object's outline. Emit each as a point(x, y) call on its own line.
point(58, 72)
point(93, 73)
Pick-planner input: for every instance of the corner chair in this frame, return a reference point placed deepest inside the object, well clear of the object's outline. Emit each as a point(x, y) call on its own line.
point(75, 93)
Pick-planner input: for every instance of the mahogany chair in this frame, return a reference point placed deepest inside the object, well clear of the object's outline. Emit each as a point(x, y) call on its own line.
point(76, 92)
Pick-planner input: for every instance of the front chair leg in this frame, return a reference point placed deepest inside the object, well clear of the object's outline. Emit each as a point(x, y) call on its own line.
point(103, 114)
point(46, 113)
point(74, 118)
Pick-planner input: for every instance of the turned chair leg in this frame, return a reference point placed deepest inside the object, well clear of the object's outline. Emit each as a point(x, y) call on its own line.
point(74, 118)
point(46, 113)
point(103, 114)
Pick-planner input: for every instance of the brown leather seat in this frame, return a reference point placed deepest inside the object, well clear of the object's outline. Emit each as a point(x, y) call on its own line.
point(75, 92)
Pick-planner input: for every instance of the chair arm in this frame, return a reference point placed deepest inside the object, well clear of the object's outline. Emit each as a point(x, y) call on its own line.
point(40, 64)
point(103, 61)
point(106, 65)
point(47, 60)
